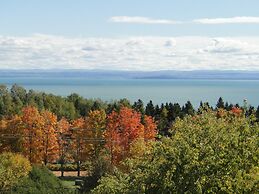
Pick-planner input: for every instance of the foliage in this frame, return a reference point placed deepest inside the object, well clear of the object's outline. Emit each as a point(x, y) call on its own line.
point(207, 153)
point(13, 167)
point(31, 127)
point(41, 181)
point(122, 129)
point(49, 137)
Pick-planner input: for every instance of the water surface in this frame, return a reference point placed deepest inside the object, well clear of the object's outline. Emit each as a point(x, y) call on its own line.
point(158, 90)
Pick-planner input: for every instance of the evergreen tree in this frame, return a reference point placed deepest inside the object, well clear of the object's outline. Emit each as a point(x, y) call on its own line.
point(139, 106)
point(257, 113)
point(157, 112)
point(174, 111)
point(188, 108)
point(163, 124)
point(220, 103)
point(227, 106)
point(150, 109)
point(237, 105)
point(251, 110)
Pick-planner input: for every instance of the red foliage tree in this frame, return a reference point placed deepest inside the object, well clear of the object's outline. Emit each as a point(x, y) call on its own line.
point(123, 128)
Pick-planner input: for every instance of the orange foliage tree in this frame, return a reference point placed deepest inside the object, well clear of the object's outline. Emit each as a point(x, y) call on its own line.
point(49, 137)
point(11, 136)
point(32, 124)
point(64, 135)
point(123, 128)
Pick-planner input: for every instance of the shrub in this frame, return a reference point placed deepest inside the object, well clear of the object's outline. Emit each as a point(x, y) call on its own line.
point(41, 181)
point(13, 167)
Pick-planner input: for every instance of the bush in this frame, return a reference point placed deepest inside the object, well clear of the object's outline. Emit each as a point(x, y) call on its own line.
point(41, 181)
point(13, 167)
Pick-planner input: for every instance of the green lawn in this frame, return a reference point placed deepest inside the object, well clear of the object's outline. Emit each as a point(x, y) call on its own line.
point(69, 184)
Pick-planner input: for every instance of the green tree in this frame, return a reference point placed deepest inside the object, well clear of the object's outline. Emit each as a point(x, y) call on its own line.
point(6, 103)
point(206, 154)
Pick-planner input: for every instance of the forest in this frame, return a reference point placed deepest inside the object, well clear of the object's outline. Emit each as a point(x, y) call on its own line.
point(127, 147)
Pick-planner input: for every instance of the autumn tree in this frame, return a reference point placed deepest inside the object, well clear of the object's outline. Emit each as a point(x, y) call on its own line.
point(32, 124)
point(123, 128)
point(11, 134)
point(49, 137)
point(64, 141)
point(94, 126)
point(77, 144)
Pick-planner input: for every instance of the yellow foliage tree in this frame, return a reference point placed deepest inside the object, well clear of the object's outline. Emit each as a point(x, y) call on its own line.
point(13, 167)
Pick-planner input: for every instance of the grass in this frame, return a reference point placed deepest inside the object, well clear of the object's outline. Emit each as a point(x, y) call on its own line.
point(69, 184)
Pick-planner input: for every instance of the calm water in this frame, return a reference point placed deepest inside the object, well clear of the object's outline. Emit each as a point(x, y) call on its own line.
point(159, 91)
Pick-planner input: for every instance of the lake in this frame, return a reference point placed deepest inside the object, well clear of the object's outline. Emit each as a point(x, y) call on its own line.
point(157, 90)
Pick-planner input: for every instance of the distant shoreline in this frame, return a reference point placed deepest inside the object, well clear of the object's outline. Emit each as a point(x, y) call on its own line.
point(115, 74)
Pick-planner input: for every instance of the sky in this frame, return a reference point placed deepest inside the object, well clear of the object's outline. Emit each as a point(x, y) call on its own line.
point(129, 34)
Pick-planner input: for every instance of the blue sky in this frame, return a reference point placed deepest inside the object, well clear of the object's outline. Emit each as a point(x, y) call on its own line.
point(130, 34)
point(90, 18)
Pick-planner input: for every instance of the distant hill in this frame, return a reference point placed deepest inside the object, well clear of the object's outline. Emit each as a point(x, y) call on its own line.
point(110, 74)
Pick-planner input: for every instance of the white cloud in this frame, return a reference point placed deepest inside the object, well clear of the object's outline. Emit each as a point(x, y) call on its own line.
point(232, 20)
point(146, 20)
point(132, 53)
point(141, 20)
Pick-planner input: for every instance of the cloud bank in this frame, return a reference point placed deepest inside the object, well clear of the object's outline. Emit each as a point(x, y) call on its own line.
point(132, 53)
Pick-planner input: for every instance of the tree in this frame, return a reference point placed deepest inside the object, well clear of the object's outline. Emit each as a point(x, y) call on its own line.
point(220, 103)
point(205, 154)
point(94, 126)
point(188, 109)
point(11, 134)
point(150, 109)
point(31, 127)
point(257, 113)
point(78, 143)
point(174, 111)
point(122, 129)
point(49, 137)
point(13, 167)
point(64, 135)
point(139, 106)
point(163, 124)
point(6, 103)
point(150, 128)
